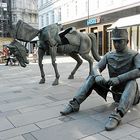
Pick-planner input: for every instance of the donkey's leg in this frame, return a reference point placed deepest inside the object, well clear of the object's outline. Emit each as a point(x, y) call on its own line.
point(41, 53)
point(53, 51)
point(90, 61)
point(79, 62)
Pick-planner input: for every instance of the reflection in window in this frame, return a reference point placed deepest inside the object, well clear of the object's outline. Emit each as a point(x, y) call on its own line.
point(134, 38)
point(139, 38)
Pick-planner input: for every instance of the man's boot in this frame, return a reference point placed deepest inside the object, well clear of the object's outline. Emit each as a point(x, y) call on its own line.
point(72, 107)
point(113, 122)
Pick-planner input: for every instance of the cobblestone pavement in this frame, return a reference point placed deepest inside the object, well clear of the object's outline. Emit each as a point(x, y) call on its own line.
point(30, 111)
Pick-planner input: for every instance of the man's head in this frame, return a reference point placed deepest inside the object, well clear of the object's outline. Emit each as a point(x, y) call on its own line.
point(120, 39)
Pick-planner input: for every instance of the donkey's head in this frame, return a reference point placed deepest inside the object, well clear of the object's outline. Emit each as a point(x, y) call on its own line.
point(19, 51)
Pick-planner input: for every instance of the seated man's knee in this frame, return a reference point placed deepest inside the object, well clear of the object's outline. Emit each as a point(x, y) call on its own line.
point(132, 84)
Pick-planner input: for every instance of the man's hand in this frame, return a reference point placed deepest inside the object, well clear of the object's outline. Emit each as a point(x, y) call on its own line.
point(100, 80)
point(113, 81)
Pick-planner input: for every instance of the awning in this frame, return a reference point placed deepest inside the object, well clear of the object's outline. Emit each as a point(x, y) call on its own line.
point(126, 22)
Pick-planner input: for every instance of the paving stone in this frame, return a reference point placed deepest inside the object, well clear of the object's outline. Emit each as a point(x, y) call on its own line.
point(92, 103)
point(17, 138)
point(66, 118)
point(95, 137)
point(53, 104)
point(105, 107)
point(29, 136)
point(48, 123)
point(135, 123)
point(136, 134)
point(130, 114)
point(102, 117)
point(17, 131)
point(71, 130)
point(83, 113)
point(35, 116)
point(127, 138)
point(120, 131)
point(5, 124)
point(11, 95)
point(18, 99)
point(22, 104)
point(9, 113)
point(32, 108)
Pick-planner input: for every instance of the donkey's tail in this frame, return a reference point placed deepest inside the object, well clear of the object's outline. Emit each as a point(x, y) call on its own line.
point(94, 47)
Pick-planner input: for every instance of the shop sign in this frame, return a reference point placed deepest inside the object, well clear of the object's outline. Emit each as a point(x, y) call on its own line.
point(93, 21)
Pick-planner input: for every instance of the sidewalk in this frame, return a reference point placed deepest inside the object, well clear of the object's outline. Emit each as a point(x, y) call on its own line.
point(30, 111)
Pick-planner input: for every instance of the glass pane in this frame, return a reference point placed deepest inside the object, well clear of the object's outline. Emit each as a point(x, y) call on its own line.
point(134, 38)
point(139, 39)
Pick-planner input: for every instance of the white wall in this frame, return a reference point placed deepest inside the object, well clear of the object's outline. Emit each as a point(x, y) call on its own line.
point(69, 12)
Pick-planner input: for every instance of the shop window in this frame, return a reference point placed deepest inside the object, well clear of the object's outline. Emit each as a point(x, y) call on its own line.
point(107, 42)
point(138, 38)
point(100, 42)
point(129, 37)
point(134, 38)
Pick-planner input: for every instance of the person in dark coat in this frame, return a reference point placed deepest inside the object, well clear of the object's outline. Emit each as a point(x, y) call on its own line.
point(124, 68)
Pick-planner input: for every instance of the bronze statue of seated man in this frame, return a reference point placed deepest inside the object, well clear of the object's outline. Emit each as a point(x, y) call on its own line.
point(124, 68)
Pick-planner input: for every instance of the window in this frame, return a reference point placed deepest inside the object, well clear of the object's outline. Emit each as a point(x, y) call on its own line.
point(47, 19)
point(59, 14)
point(134, 38)
point(67, 10)
point(14, 18)
point(41, 2)
point(13, 3)
point(138, 38)
point(53, 17)
point(42, 21)
point(76, 9)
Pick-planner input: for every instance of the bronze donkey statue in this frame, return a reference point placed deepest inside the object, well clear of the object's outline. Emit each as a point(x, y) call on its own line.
point(69, 41)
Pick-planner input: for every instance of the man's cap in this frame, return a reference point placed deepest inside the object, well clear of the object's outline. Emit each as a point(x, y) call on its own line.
point(118, 34)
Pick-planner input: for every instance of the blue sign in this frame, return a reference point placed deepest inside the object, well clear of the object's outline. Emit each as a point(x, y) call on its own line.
point(91, 21)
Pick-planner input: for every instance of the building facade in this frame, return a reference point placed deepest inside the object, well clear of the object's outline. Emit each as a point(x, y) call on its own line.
point(4, 18)
point(13, 10)
point(25, 10)
point(92, 16)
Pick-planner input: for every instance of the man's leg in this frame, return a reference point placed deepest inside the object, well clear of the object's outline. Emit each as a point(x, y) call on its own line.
point(8, 59)
point(126, 101)
point(81, 95)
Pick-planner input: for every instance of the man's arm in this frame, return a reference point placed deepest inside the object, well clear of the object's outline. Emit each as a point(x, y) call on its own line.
point(99, 79)
point(131, 75)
